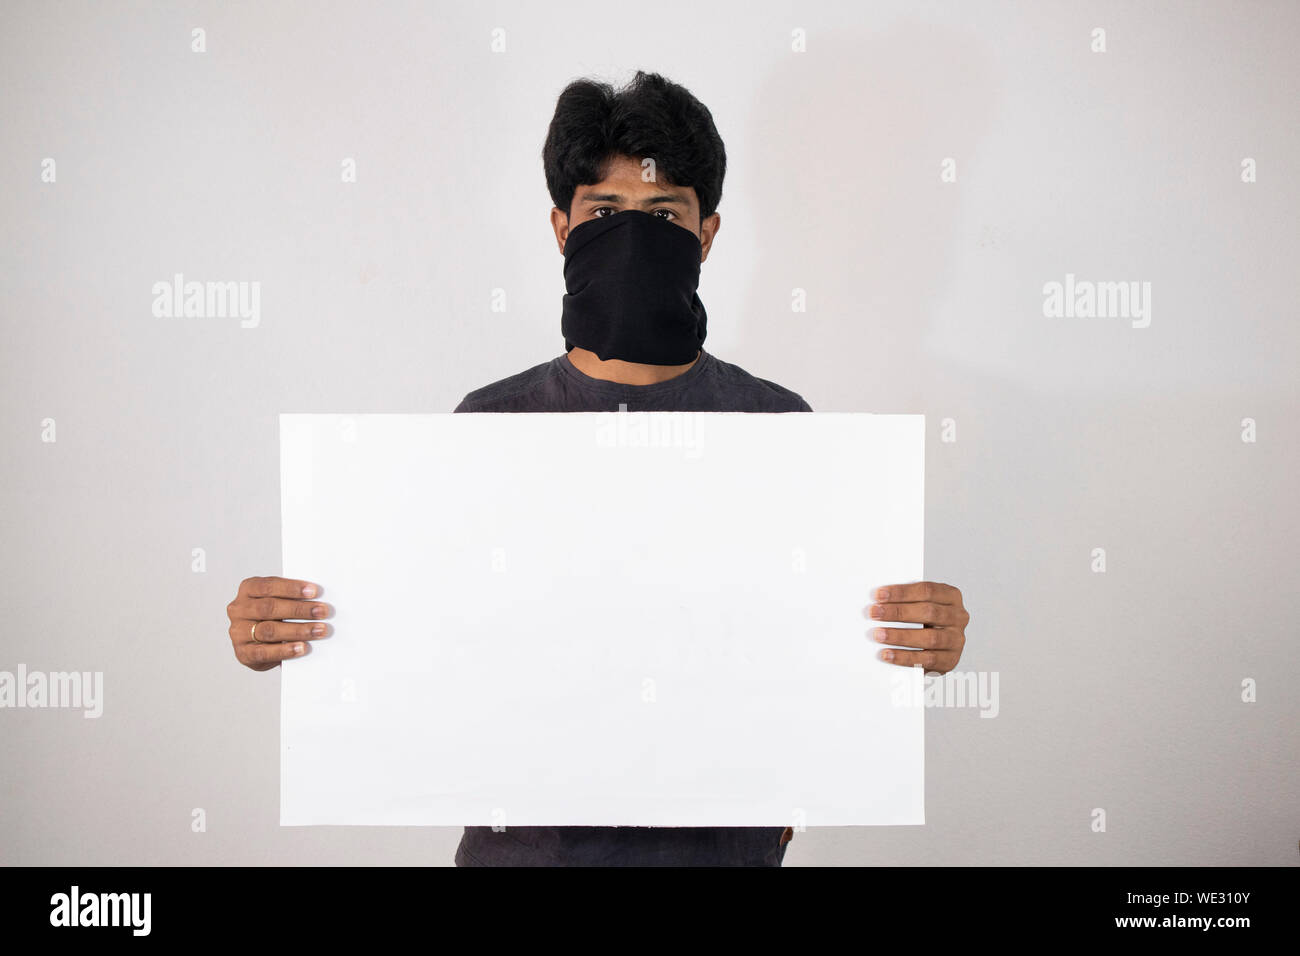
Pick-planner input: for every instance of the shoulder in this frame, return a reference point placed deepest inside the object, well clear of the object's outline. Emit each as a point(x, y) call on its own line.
point(767, 394)
point(502, 395)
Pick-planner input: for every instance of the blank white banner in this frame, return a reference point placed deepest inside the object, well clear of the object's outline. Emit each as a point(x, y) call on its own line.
point(601, 619)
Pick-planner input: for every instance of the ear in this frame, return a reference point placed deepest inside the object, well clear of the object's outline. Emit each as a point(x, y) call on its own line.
point(708, 229)
point(560, 224)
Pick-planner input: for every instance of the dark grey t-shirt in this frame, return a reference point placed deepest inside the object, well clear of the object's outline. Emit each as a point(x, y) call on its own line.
point(710, 385)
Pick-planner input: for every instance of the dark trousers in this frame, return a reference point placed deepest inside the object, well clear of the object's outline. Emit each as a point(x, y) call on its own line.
point(623, 846)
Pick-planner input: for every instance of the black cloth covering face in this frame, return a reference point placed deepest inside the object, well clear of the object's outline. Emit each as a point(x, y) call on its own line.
point(631, 279)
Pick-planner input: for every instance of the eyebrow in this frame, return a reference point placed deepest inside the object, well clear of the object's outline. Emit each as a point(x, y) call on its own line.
point(651, 201)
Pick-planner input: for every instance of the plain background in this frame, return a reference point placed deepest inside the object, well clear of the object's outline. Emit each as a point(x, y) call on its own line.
point(1119, 691)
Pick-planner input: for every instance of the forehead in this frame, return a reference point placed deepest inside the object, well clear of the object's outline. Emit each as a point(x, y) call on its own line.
point(626, 175)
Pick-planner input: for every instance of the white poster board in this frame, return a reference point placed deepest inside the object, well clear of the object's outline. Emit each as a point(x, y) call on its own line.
point(601, 619)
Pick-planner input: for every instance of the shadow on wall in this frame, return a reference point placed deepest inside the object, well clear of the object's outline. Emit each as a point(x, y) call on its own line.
point(857, 118)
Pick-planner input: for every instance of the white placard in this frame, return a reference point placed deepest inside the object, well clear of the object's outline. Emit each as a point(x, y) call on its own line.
point(601, 619)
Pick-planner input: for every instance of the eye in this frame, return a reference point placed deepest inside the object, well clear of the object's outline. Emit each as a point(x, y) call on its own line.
point(599, 209)
point(670, 217)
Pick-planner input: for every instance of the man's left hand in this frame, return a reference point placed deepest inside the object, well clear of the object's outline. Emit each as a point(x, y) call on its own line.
point(936, 606)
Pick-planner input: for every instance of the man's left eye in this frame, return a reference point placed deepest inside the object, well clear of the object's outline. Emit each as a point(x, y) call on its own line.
point(670, 215)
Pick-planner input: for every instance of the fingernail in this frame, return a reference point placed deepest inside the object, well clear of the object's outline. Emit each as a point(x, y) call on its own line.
point(886, 655)
point(309, 590)
point(297, 649)
point(882, 594)
point(318, 611)
point(317, 630)
point(877, 611)
point(880, 634)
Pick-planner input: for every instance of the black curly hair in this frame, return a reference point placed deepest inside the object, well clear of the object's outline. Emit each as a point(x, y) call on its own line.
point(651, 116)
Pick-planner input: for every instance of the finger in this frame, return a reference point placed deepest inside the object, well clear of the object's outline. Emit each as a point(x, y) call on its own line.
point(942, 661)
point(929, 591)
point(268, 655)
point(933, 638)
point(252, 590)
point(278, 588)
point(276, 609)
point(923, 612)
point(268, 632)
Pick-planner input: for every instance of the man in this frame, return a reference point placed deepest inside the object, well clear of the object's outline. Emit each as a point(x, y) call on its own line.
point(636, 176)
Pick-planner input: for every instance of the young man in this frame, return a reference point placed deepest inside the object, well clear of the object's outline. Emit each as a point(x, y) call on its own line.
point(635, 176)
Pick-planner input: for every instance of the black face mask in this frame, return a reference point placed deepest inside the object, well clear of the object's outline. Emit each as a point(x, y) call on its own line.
point(631, 280)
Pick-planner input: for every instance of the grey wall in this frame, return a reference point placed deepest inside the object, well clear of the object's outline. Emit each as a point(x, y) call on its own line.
point(1119, 690)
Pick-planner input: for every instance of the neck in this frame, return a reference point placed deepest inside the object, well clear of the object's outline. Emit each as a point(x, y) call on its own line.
point(624, 373)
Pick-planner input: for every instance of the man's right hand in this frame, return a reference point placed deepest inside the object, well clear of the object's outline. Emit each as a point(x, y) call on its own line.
point(272, 605)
